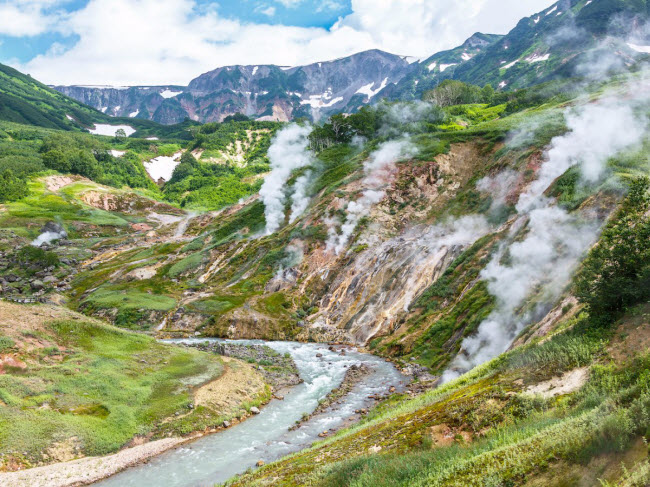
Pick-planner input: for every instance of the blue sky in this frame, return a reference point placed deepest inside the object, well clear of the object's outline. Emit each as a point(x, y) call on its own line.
point(127, 42)
point(308, 13)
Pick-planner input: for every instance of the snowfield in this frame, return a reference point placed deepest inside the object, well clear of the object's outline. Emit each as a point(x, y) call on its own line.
point(110, 130)
point(170, 94)
point(369, 92)
point(637, 48)
point(163, 167)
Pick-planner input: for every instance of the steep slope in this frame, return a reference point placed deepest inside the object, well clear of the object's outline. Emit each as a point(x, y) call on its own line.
point(25, 100)
point(263, 92)
point(572, 38)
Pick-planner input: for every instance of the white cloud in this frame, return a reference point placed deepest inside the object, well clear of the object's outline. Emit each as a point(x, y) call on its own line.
point(174, 44)
point(268, 11)
point(290, 3)
point(26, 17)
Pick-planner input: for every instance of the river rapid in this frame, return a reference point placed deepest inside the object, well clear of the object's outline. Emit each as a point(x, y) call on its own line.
point(216, 458)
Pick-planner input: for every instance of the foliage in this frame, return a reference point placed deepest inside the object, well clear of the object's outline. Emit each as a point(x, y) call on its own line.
point(452, 92)
point(616, 274)
point(89, 157)
point(36, 256)
point(12, 188)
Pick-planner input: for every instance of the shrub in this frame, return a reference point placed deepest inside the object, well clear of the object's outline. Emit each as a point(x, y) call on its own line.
point(6, 343)
point(616, 274)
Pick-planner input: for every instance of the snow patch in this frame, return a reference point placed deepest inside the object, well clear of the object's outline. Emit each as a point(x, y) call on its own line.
point(103, 109)
point(69, 118)
point(117, 153)
point(162, 167)
point(466, 57)
point(637, 48)
point(255, 70)
point(536, 58)
point(111, 130)
point(508, 66)
point(432, 66)
point(552, 10)
point(170, 94)
point(315, 101)
point(369, 92)
point(537, 19)
point(503, 84)
point(443, 67)
point(134, 114)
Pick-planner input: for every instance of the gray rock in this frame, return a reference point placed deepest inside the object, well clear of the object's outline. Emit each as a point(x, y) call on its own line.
point(255, 410)
point(37, 285)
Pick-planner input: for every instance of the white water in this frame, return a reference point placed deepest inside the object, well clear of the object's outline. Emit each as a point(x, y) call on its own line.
point(218, 457)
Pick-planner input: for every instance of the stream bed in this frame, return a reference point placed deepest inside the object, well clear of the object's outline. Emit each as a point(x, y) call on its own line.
point(266, 437)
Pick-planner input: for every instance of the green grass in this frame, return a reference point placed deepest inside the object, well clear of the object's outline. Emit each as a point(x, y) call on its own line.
point(130, 300)
point(109, 386)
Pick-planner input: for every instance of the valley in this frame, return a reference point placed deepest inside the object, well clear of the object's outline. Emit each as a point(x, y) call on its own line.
point(377, 271)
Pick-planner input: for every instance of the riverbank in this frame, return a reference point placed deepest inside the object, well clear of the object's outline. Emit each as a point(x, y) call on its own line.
point(267, 437)
point(85, 471)
point(238, 384)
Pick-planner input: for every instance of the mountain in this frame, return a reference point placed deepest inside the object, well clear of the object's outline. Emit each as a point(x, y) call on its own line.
point(562, 41)
point(572, 38)
point(265, 92)
point(27, 101)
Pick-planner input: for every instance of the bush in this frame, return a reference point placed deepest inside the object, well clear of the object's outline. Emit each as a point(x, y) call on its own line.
point(12, 188)
point(36, 256)
point(6, 343)
point(616, 274)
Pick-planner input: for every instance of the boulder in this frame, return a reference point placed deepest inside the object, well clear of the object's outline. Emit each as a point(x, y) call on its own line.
point(255, 410)
point(37, 285)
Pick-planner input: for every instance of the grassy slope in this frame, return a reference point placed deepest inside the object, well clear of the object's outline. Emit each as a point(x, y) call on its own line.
point(73, 377)
point(485, 429)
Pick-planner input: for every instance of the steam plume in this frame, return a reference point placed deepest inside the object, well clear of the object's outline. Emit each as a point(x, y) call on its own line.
point(300, 197)
point(379, 172)
point(543, 262)
point(287, 153)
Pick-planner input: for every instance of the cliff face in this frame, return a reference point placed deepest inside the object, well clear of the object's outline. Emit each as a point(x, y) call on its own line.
point(271, 93)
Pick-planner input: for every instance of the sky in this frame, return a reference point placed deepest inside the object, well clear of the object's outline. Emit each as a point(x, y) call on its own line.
point(170, 42)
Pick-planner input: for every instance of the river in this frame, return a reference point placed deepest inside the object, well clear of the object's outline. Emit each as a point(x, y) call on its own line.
point(216, 458)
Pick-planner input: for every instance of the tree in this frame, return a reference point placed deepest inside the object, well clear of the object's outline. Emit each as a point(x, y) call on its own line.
point(120, 135)
point(487, 94)
point(452, 92)
point(12, 188)
point(237, 117)
point(616, 274)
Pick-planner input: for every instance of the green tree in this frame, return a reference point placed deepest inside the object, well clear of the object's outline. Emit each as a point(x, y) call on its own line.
point(616, 274)
point(56, 159)
point(487, 94)
point(12, 188)
point(120, 135)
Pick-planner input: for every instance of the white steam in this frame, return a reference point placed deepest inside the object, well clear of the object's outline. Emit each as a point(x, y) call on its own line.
point(47, 238)
point(499, 187)
point(287, 153)
point(541, 264)
point(300, 196)
point(453, 235)
point(379, 171)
